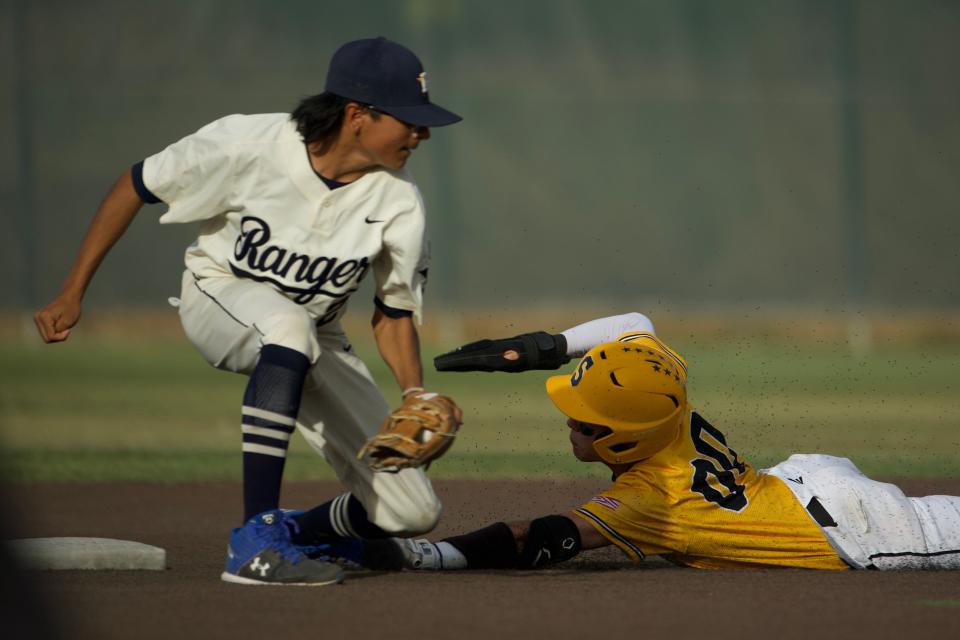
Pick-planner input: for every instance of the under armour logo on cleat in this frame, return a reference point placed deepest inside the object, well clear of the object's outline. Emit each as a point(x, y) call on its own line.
point(261, 567)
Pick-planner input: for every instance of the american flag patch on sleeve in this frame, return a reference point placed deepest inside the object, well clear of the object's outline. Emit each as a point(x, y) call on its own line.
point(608, 502)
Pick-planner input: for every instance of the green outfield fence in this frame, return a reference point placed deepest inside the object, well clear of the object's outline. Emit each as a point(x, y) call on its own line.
point(701, 153)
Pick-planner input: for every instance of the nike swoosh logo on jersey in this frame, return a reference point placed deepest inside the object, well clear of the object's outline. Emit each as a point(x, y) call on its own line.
point(369, 221)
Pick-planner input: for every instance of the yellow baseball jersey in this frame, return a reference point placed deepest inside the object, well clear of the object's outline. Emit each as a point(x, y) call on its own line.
point(699, 504)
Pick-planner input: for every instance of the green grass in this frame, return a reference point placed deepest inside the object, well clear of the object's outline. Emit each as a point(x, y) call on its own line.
point(85, 411)
point(950, 602)
point(151, 466)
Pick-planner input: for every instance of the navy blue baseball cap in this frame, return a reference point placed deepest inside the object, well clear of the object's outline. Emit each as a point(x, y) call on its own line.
point(388, 77)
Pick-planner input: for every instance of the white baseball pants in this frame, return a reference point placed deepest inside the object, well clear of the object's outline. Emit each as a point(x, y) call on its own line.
point(229, 319)
point(870, 524)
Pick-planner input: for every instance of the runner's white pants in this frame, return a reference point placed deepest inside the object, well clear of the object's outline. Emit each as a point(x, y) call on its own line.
point(875, 526)
point(229, 319)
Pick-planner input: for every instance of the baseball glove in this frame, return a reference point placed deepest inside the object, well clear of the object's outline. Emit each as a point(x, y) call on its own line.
point(537, 350)
point(420, 431)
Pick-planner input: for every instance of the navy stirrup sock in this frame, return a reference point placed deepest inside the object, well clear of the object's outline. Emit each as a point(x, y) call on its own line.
point(270, 406)
point(342, 517)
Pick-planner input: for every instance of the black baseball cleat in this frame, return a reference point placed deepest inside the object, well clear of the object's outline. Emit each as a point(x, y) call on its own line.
point(388, 554)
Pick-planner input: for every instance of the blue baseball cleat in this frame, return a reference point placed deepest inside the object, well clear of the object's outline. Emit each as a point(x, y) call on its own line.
point(261, 553)
point(345, 552)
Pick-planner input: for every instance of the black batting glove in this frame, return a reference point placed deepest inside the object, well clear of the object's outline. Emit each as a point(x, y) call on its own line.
point(537, 350)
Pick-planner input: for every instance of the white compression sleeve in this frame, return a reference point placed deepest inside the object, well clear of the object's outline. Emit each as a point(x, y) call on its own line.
point(586, 336)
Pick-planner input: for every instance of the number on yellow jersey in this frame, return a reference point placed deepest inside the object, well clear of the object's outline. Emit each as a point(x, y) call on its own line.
point(716, 473)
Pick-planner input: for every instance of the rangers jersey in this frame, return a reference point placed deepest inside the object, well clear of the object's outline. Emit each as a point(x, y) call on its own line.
point(268, 217)
point(699, 504)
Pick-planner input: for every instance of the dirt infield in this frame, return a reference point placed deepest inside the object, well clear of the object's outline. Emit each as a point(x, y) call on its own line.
point(598, 595)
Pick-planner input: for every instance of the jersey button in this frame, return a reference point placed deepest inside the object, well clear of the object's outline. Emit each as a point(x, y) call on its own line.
point(327, 204)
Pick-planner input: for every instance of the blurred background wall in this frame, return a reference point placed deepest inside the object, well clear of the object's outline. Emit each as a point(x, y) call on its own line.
point(639, 154)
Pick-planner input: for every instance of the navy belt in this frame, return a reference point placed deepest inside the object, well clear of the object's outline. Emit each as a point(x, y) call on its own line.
point(820, 513)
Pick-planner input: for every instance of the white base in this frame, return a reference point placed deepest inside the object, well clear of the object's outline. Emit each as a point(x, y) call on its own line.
point(86, 553)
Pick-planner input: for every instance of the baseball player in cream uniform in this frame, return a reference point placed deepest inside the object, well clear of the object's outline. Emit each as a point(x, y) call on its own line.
point(295, 210)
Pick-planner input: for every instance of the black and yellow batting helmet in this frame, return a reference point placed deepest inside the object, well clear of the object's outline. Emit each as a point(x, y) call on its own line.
point(636, 387)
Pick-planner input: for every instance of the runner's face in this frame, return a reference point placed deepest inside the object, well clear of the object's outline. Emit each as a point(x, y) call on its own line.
point(582, 435)
point(390, 141)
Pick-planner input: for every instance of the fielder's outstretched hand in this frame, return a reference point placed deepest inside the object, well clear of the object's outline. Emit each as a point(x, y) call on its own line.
point(537, 350)
point(55, 320)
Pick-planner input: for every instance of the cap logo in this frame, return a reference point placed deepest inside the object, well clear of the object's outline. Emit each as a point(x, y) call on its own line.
point(577, 376)
point(422, 79)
